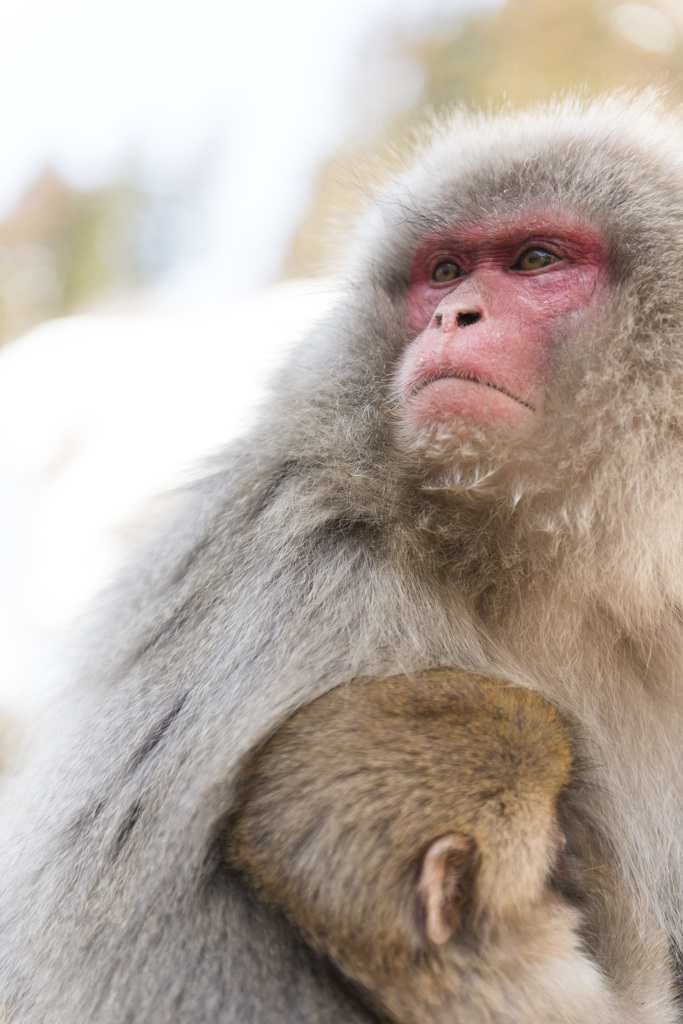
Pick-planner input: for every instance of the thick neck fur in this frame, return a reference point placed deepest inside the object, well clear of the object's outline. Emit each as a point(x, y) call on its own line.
point(558, 564)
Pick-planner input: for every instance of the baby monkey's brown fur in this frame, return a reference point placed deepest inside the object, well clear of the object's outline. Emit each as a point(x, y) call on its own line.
point(409, 828)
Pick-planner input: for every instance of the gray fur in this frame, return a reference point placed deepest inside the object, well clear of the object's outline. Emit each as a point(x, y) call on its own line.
point(322, 548)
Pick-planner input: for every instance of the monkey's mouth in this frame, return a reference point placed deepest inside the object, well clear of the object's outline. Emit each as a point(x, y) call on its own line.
point(475, 378)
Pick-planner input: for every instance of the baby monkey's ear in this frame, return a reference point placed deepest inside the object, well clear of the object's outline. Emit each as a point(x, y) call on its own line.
point(440, 888)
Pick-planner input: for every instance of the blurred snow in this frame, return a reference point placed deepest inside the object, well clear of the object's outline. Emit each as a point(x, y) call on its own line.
point(132, 402)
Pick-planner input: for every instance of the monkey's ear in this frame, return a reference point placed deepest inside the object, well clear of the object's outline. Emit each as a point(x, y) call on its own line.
point(439, 885)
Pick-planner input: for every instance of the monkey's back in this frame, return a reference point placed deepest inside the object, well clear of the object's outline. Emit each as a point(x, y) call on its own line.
point(371, 772)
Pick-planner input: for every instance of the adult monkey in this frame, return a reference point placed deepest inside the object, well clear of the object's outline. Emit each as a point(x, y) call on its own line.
point(475, 462)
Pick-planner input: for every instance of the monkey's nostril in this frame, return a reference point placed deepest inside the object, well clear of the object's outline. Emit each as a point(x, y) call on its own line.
point(465, 319)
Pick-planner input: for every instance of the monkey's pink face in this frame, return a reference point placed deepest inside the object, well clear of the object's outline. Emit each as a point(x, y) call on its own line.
point(486, 303)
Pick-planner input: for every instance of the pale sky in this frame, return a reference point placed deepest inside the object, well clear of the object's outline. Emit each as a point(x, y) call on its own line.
point(266, 89)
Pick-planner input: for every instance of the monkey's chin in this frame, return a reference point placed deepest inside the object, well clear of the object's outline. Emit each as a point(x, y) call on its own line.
point(473, 440)
point(459, 405)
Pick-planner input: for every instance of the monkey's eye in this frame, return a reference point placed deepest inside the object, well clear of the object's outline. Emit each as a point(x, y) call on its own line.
point(446, 271)
point(533, 259)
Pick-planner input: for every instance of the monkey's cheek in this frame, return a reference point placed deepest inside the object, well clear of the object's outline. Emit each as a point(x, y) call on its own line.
point(452, 403)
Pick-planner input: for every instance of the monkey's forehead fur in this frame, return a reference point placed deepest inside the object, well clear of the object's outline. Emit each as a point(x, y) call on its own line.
point(617, 161)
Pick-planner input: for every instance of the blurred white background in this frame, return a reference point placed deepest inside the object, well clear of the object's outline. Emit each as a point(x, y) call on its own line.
point(255, 95)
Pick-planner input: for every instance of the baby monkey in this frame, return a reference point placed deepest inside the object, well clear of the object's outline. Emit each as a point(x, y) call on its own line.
point(409, 828)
